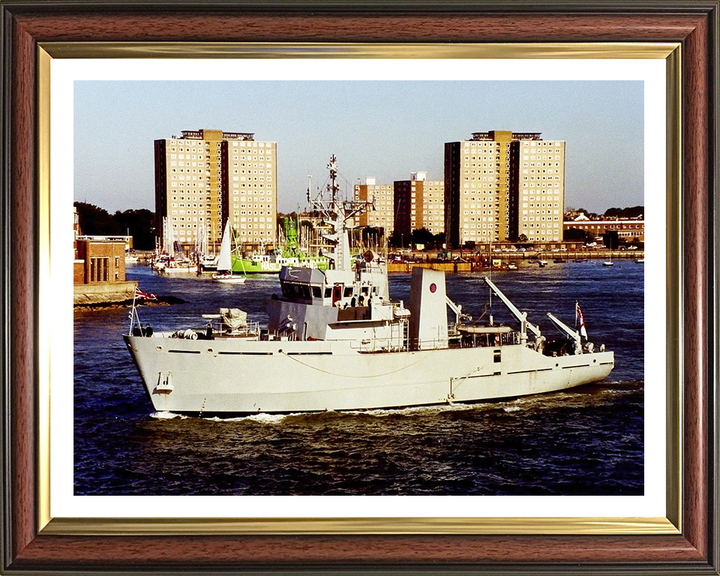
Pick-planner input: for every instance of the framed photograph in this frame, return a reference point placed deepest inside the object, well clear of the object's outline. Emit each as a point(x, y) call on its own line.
point(62, 512)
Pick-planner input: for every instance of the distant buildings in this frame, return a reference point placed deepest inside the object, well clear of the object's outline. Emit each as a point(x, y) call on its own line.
point(626, 229)
point(382, 215)
point(206, 177)
point(419, 203)
point(501, 186)
point(403, 206)
point(537, 188)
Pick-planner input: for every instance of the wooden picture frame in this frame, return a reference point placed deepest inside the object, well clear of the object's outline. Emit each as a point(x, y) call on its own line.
point(30, 545)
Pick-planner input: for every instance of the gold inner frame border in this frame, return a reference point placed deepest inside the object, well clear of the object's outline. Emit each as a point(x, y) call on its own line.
point(671, 524)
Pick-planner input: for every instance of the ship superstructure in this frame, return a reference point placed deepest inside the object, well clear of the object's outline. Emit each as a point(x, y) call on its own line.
point(335, 341)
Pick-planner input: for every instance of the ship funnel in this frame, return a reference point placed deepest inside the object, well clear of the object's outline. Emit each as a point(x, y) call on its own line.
point(428, 312)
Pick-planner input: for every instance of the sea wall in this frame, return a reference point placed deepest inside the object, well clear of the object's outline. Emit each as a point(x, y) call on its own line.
point(442, 266)
point(103, 293)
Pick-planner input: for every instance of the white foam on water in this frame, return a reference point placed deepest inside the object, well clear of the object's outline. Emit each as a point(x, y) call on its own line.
point(260, 417)
point(165, 415)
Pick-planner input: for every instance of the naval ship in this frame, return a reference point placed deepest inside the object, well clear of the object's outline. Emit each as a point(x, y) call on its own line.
point(336, 341)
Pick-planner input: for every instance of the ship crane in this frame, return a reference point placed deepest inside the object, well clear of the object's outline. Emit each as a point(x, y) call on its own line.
point(573, 334)
point(521, 316)
point(457, 308)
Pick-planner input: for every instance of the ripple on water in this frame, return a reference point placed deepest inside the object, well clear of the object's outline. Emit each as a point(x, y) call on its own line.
point(585, 441)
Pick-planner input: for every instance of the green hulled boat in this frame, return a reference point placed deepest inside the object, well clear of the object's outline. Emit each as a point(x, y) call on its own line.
point(256, 264)
point(270, 264)
point(291, 255)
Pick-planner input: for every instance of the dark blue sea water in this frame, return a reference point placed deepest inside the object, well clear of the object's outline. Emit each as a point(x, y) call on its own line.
point(586, 441)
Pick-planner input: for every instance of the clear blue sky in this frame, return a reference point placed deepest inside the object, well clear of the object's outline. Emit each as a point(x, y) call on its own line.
point(383, 129)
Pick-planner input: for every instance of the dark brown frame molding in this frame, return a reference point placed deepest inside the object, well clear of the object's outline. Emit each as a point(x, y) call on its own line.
point(26, 24)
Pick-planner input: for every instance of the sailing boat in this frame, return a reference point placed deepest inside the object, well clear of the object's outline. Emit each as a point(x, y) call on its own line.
point(171, 260)
point(224, 267)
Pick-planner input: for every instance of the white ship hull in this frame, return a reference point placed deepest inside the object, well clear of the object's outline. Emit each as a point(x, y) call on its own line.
point(224, 376)
point(335, 341)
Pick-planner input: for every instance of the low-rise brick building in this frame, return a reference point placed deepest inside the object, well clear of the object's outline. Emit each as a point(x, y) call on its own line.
point(627, 230)
point(99, 270)
point(99, 261)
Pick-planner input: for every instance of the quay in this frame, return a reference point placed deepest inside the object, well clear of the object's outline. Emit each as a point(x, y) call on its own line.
point(103, 293)
point(465, 261)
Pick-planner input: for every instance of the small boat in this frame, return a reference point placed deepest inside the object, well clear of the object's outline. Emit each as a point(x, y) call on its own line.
point(224, 267)
point(608, 263)
point(640, 261)
point(166, 265)
point(168, 259)
point(208, 263)
point(228, 278)
point(512, 267)
point(543, 263)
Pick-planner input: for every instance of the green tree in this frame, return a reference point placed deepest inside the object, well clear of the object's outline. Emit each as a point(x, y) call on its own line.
point(422, 236)
point(140, 224)
point(587, 213)
point(627, 212)
point(95, 221)
point(399, 240)
point(577, 234)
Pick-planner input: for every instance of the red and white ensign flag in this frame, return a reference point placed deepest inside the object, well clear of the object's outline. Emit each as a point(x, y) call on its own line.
point(139, 294)
point(579, 315)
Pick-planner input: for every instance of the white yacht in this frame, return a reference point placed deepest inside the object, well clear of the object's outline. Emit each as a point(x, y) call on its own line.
point(335, 341)
point(224, 272)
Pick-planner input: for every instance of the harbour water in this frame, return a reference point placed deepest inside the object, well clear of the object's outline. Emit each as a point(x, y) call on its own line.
point(585, 441)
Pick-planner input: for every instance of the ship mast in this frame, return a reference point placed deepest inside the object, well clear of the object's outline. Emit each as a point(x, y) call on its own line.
point(337, 211)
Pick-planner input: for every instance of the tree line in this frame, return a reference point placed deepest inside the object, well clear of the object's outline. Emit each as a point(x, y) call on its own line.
point(622, 213)
point(96, 221)
point(140, 224)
